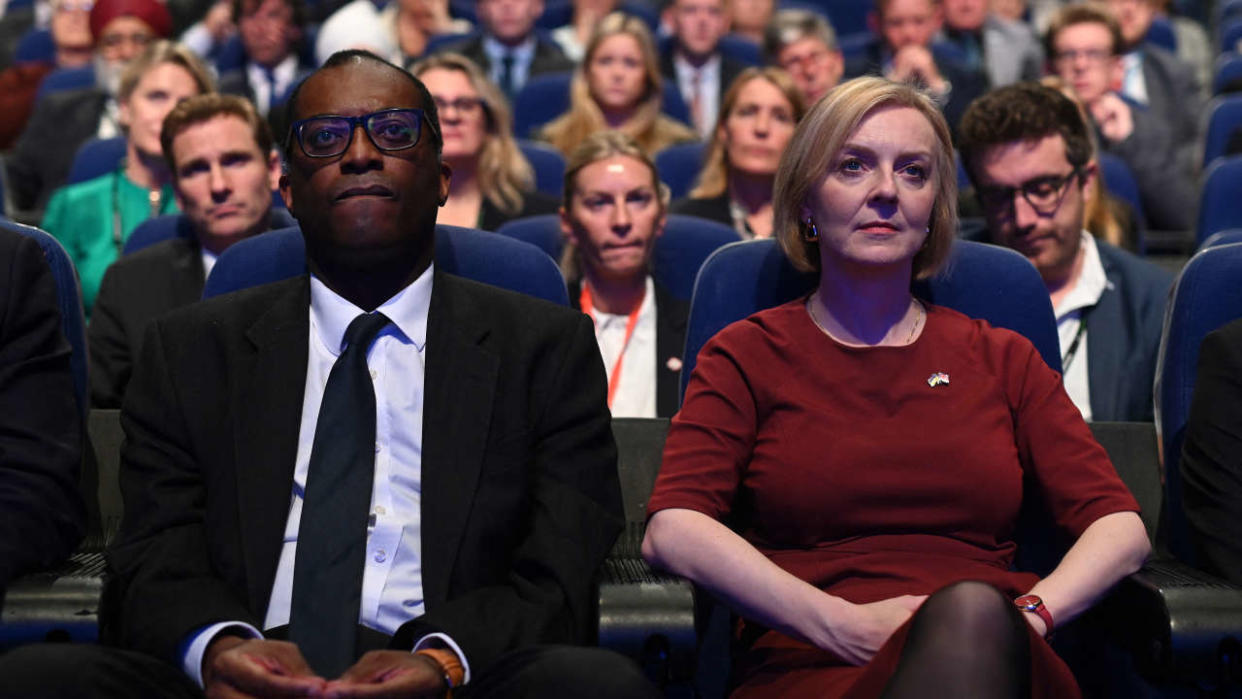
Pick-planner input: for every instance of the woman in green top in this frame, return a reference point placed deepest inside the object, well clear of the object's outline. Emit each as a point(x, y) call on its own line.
point(92, 219)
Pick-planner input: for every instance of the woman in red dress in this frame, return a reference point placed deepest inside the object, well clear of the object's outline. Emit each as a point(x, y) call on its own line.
point(870, 452)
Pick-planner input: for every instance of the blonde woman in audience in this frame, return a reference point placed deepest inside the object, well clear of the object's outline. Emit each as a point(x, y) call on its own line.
point(848, 469)
point(757, 119)
point(93, 219)
point(492, 181)
point(614, 211)
point(573, 37)
point(618, 86)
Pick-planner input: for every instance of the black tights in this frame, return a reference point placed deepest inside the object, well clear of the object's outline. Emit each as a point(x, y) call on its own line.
point(967, 640)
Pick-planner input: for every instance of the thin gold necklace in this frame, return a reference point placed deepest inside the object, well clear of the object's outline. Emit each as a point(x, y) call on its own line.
point(920, 315)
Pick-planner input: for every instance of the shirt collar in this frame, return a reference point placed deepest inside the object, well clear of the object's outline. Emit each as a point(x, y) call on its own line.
point(1091, 280)
point(521, 53)
point(407, 309)
point(685, 70)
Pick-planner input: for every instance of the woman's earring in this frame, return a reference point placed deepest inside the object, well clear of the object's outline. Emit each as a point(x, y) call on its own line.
point(811, 235)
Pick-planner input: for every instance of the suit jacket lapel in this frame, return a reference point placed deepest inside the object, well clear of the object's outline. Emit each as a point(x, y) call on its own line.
point(187, 278)
point(1106, 338)
point(459, 385)
point(670, 344)
point(268, 413)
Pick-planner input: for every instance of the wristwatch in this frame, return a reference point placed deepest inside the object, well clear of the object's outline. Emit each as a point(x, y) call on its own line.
point(1035, 605)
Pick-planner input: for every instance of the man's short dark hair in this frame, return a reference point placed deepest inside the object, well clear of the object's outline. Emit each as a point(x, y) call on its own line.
point(1082, 13)
point(242, 8)
point(343, 58)
point(204, 108)
point(1019, 113)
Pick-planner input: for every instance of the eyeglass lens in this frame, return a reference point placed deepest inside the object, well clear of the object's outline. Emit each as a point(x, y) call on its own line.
point(396, 129)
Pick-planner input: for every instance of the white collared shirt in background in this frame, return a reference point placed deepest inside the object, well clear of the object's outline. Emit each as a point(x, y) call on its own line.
point(1086, 293)
point(709, 86)
point(636, 390)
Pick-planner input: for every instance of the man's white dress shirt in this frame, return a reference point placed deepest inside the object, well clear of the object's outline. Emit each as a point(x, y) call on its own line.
point(1086, 293)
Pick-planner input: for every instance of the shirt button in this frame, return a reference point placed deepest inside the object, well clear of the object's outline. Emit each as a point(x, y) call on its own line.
point(377, 447)
point(380, 556)
point(379, 510)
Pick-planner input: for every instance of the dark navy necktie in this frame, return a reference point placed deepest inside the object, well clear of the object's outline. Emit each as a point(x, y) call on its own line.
point(508, 78)
point(332, 533)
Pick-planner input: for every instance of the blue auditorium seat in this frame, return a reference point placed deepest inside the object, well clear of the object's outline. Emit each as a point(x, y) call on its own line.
point(980, 280)
point(545, 97)
point(1230, 34)
point(847, 16)
point(676, 259)
point(442, 41)
point(1120, 181)
point(35, 45)
point(161, 228)
point(549, 166)
point(96, 157)
point(1228, 69)
point(679, 166)
point(740, 49)
point(483, 257)
point(65, 79)
point(1224, 116)
point(1225, 237)
point(1161, 34)
point(1220, 203)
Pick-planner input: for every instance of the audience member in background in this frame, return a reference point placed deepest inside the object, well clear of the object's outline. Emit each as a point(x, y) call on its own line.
point(207, 34)
point(492, 182)
point(750, 18)
point(1006, 51)
point(1107, 217)
point(509, 49)
point(693, 59)
point(1211, 463)
point(93, 219)
point(902, 50)
point(1029, 155)
point(614, 211)
point(804, 44)
point(404, 27)
point(64, 120)
point(617, 86)
point(219, 151)
point(1194, 48)
point(271, 37)
point(871, 505)
point(757, 120)
point(41, 443)
point(573, 37)
point(1083, 43)
point(71, 38)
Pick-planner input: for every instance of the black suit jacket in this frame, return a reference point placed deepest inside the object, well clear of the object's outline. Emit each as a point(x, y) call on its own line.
point(520, 498)
point(548, 56)
point(1211, 463)
point(713, 209)
point(136, 289)
point(41, 510)
point(533, 204)
point(671, 316)
point(729, 70)
point(43, 154)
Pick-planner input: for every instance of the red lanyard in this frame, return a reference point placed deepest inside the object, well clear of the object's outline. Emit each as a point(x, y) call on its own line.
point(584, 302)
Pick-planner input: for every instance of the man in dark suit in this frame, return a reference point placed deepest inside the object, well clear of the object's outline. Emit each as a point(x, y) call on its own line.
point(41, 442)
point(1030, 157)
point(693, 61)
point(446, 484)
point(905, 50)
point(63, 121)
point(271, 37)
point(1212, 455)
point(509, 49)
point(219, 151)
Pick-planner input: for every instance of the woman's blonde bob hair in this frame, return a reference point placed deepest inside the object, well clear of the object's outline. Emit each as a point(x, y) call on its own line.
point(714, 177)
point(651, 130)
point(596, 147)
point(817, 143)
point(504, 173)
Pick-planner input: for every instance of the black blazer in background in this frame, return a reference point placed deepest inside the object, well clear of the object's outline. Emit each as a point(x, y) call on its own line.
point(713, 209)
point(1211, 463)
point(548, 56)
point(671, 316)
point(729, 70)
point(520, 498)
point(42, 516)
point(533, 204)
point(136, 289)
point(41, 158)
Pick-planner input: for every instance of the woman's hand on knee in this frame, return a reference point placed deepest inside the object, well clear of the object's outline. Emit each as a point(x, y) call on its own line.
point(857, 635)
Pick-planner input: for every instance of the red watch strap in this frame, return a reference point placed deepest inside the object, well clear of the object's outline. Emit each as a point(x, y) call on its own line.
point(1035, 605)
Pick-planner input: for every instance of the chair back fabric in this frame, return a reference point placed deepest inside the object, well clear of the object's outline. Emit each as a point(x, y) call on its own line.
point(545, 97)
point(1207, 295)
point(466, 252)
point(65, 79)
point(679, 253)
point(679, 165)
point(1224, 116)
point(1119, 179)
point(1162, 34)
point(96, 157)
point(161, 228)
point(1228, 236)
point(1220, 202)
point(1228, 69)
point(549, 166)
point(35, 45)
point(980, 280)
point(69, 297)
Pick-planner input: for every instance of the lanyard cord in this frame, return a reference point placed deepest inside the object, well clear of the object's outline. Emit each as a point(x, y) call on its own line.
point(1072, 352)
point(631, 321)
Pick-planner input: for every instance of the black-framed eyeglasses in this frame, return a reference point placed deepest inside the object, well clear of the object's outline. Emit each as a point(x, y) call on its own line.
point(329, 136)
point(1044, 194)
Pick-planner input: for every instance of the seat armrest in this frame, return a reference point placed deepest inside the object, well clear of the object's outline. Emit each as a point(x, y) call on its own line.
point(57, 605)
point(1181, 624)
